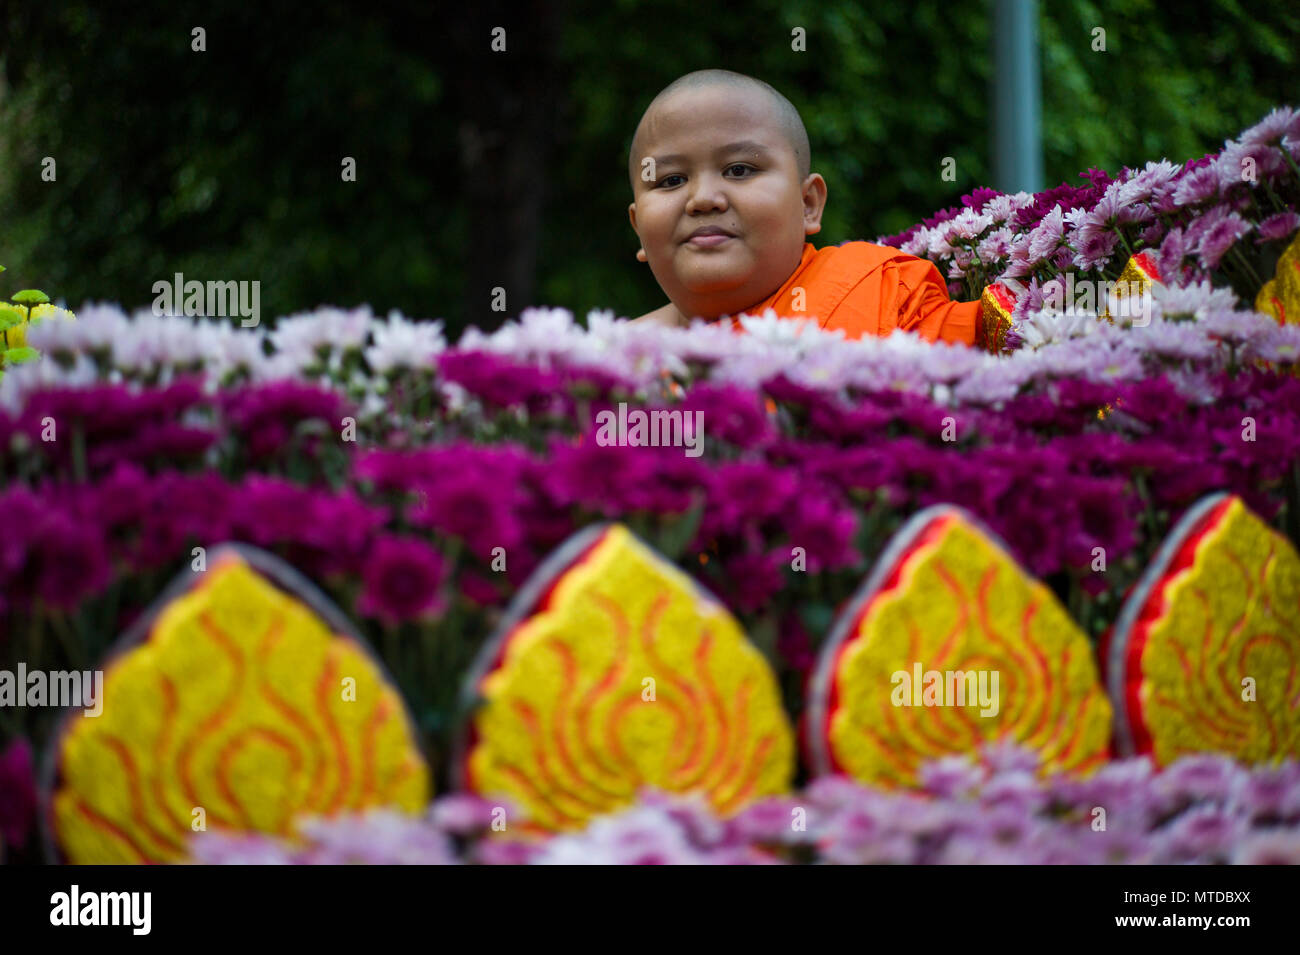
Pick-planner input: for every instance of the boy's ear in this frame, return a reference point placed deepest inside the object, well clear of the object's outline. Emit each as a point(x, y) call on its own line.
point(814, 202)
point(631, 214)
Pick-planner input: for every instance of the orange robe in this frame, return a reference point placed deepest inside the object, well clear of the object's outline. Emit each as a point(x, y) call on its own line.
point(868, 289)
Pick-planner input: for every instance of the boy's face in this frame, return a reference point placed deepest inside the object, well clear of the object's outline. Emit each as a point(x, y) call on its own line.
point(720, 160)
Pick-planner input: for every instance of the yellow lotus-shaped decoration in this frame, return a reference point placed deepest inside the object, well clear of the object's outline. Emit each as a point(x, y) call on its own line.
point(1280, 295)
point(1206, 652)
point(615, 672)
point(241, 708)
point(949, 646)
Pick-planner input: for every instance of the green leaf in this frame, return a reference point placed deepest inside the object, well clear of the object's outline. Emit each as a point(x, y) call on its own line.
point(817, 619)
point(16, 356)
point(9, 320)
point(677, 532)
point(31, 296)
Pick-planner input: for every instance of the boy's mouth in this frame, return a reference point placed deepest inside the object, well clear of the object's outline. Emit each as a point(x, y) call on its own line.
point(706, 237)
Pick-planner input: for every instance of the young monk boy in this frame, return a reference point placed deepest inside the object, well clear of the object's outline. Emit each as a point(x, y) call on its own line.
point(723, 198)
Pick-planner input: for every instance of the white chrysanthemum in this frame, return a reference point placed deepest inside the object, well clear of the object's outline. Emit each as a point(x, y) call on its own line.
point(149, 342)
point(295, 340)
point(772, 330)
point(373, 405)
point(641, 353)
point(58, 332)
point(537, 332)
point(750, 370)
point(1198, 299)
point(994, 383)
point(400, 343)
point(542, 331)
point(946, 363)
point(1177, 340)
point(1280, 343)
point(918, 243)
point(1045, 237)
point(456, 398)
point(1155, 180)
point(1238, 327)
point(889, 372)
point(996, 245)
point(1045, 327)
point(707, 342)
point(1001, 208)
point(637, 833)
point(299, 335)
point(826, 369)
point(95, 327)
point(1076, 357)
point(938, 246)
point(967, 224)
point(232, 348)
point(276, 367)
point(1118, 364)
point(1193, 385)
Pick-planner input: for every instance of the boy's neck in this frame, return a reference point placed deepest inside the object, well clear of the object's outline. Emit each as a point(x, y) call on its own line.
point(668, 315)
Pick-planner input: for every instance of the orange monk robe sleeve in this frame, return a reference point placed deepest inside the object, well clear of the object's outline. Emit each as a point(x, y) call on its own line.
point(862, 289)
point(924, 306)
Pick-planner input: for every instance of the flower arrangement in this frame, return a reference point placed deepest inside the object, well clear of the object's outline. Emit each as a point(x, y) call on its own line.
point(1225, 218)
point(420, 483)
point(1204, 809)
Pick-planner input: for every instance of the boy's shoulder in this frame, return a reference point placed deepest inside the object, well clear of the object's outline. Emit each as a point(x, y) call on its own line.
point(866, 252)
point(857, 259)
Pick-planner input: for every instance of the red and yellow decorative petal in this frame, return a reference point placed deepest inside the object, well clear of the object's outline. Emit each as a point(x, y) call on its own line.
point(1139, 276)
point(997, 302)
point(945, 597)
point(1205, 655)
point(1141, 273)
point(614, 671)
point(1280, 295)
point(236, 697)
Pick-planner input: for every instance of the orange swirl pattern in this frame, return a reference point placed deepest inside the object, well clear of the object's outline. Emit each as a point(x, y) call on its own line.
point(235, 704)
point(567, 728)
point(951, 600)
point(1225, 609)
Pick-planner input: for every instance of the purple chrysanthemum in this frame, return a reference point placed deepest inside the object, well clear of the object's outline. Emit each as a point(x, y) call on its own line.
point(401, 580)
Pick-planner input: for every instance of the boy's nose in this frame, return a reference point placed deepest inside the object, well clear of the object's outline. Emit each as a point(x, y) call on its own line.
point(707, 194)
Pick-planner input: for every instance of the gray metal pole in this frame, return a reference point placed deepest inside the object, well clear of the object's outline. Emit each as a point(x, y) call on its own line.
point(1017, 120)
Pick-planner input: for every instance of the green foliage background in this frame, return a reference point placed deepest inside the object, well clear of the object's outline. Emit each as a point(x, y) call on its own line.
point(226, 164)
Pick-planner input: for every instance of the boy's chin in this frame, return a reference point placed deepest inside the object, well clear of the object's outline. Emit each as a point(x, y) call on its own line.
point(708, 278)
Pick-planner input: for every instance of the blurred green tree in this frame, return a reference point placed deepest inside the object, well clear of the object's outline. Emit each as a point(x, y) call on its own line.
point(479, 168)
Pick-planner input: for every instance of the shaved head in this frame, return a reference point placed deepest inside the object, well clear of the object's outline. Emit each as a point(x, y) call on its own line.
point(784, 115)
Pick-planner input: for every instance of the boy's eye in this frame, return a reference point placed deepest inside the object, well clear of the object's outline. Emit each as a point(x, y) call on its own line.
point(745, 169)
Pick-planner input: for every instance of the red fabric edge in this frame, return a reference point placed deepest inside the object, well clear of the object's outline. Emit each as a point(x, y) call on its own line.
point(927, 535)
point(1152, 611)
point(542, 603)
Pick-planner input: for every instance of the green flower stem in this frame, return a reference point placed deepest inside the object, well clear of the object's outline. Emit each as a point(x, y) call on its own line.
point(1290, 162)
point(1124, 242)
point(74, 650)
point(1236, 250)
